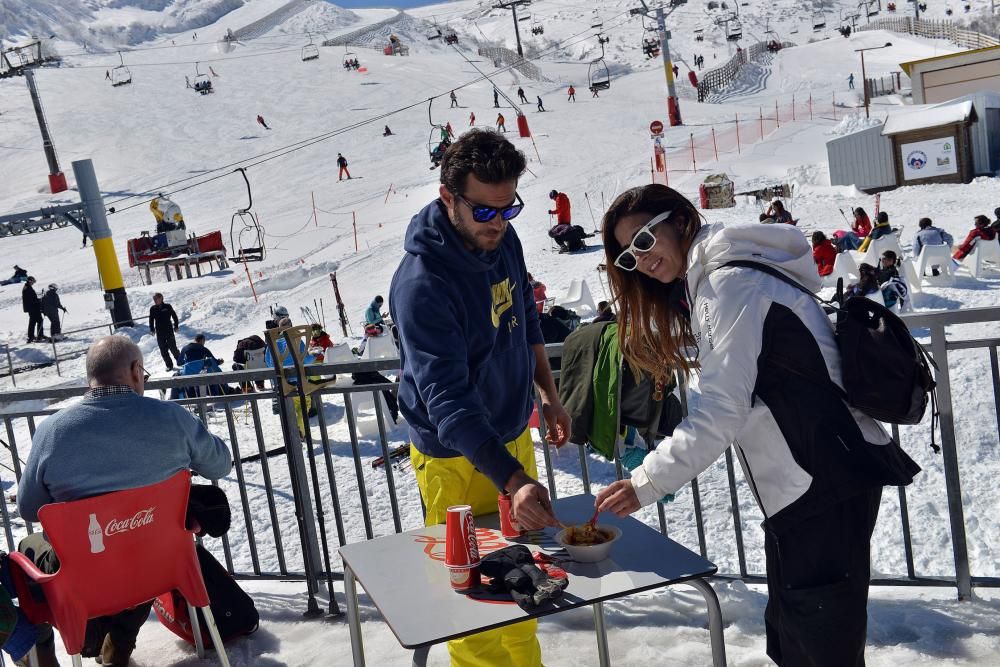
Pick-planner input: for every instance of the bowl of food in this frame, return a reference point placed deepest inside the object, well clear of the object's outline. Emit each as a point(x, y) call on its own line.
point(588, 543)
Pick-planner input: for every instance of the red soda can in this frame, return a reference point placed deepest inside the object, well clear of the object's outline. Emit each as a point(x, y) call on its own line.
point(461, 550)
point(508, 526)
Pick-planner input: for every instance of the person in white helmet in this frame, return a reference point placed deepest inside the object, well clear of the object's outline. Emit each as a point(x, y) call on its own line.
point(51, 305)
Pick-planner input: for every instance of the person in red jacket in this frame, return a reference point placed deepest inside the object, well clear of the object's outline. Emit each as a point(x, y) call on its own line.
point(319, 342)
point(980, 231)
point(538, 288)
point(561, 210)
point(862, 224)
point(824, 253)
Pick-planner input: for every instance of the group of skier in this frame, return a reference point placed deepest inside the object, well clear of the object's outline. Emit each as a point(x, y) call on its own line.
point(48, 304)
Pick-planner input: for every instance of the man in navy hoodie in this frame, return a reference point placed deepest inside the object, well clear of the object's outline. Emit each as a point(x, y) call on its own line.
point(471, 347)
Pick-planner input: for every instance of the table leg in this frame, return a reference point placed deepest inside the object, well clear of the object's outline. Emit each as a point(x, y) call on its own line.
point(420, 656)
point(604, 659)
point(714, 621)
point(353, 617)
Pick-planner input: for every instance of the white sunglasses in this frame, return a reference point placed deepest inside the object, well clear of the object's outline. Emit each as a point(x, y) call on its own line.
point(643, 241)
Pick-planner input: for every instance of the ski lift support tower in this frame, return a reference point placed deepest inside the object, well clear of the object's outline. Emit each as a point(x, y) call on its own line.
point(673, 104)
point(512, 6)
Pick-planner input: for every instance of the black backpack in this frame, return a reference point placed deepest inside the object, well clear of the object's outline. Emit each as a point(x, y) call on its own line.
point(886, 373)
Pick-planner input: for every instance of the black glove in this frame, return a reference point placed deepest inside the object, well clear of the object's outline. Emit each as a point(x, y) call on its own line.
point(513, 570)
point(209, 507)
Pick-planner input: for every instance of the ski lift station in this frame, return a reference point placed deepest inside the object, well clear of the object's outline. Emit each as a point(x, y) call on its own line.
point(942, 78)
point(943, 143)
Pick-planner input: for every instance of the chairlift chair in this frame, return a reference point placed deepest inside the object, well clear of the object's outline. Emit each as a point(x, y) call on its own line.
point(873, 7)
point(246, 236)
point(651, 42)
point(536, 27)
point(524, 17)
point(734, 30)
point(310, 51)
point(120, 75)
point(819, 22)
point(598, 75)
point(349, 58)
point(202, 83)
point(451, 37)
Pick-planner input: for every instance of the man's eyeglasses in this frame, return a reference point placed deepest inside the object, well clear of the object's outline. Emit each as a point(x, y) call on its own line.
point(643, 241)
point(145, 373)
point(483, 213)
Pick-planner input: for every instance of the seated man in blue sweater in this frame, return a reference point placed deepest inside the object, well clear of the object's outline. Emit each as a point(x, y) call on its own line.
point(113, 439)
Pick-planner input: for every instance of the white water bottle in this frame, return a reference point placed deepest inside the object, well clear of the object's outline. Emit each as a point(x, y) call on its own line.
point(96, 535)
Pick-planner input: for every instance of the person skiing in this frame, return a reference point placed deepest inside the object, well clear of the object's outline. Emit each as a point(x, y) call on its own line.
point(593, 91)
point(454, 100)
point(342, 163)
point(500, 123)
point(386, 132)
point(450, 132)
point(33, 306)
point(541, 107)
point(472, 118)
point(496, 98)
point(572, 94)
point(850, 81)
point(51, 305)
point(562, 209)
point(107, 75)
point(260, 121)
point(163, 323)
point(521, 95)
point(676, 70)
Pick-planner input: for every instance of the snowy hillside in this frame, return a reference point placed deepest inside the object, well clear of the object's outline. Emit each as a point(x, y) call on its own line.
point(156, 135)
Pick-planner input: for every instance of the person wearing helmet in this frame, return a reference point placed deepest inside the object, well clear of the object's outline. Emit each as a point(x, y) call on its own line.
point(279, 313)
point(562, 209)
point(51, 305)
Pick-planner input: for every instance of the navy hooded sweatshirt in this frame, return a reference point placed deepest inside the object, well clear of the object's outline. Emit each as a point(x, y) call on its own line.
point(466, 322)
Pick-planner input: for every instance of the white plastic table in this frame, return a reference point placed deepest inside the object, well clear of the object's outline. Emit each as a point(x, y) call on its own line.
point(422, 610)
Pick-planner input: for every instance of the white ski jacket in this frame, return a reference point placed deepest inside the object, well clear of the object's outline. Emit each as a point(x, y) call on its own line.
point(765, 350)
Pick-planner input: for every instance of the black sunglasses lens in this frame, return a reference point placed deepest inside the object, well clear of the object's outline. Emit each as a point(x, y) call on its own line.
point(511, 212)
point(644, 241)
point(626, 261)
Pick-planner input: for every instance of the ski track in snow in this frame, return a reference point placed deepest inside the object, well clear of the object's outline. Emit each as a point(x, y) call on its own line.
point(155, 131)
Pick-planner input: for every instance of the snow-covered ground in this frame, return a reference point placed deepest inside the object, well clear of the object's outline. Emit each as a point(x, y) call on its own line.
point(156, 135)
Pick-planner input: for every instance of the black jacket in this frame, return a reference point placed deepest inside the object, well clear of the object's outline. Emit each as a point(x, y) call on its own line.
point(194, 352)
point(29, 300)
point(51, 305)
point(162, 318)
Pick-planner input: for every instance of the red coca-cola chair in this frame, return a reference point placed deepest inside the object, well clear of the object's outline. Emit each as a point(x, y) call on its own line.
point(115, 551)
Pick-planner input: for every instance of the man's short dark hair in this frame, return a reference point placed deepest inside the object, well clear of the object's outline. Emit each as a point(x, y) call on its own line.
point(157, 296)
point(882, 217)
point(200, 338)
point(483, 153)
point(924, 223)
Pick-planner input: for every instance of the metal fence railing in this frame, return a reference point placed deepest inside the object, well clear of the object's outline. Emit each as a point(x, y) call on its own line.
point(294, 502)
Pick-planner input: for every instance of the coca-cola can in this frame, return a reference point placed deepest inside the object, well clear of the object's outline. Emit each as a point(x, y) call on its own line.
point(509, 527)
point(461, 550)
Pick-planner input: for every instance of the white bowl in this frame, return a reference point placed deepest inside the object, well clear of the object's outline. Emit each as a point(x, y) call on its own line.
point(590, 553)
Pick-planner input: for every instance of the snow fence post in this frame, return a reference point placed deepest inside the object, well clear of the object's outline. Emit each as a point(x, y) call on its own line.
point(694, 163)
point(715, 146)
point(738, 151)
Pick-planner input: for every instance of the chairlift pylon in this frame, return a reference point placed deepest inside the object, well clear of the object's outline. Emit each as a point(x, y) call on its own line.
point(247, 239)
point(120, 75)
point(310, 51)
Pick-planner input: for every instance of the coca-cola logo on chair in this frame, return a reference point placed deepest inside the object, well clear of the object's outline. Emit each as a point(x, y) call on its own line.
point(140, 519)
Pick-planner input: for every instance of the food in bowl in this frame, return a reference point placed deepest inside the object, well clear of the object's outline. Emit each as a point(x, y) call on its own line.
point(596, 541)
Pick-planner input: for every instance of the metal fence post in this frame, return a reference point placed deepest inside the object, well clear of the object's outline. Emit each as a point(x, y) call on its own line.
point(10, 364)
point(949, 455)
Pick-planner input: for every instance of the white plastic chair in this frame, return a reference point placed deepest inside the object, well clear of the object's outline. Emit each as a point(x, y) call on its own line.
point(844, 267)
point(380, 347)
point(578, 297)
point(338, 352)
point(984, 251)
point(255, 359)
point(880, 245)
point(930, 256)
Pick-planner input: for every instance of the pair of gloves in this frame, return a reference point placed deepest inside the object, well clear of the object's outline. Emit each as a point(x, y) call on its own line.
point(514, 573)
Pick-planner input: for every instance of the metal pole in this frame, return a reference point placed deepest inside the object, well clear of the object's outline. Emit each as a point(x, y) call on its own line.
point(10, 364)
point(517, 31)
point(715, 145)
point(353, 615)
point(55, 355)
point(104, 249)
point(673, 105)
point(603, 657)
point(57, 181)
point(715, 630)
point(694, 164)
point(864, 80)
point(738, 151)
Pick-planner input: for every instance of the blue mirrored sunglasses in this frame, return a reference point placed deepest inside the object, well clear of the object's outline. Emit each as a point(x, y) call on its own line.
point(481, 213)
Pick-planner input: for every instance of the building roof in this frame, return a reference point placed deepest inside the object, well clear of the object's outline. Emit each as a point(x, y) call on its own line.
point(935, 116)
point(908, 66)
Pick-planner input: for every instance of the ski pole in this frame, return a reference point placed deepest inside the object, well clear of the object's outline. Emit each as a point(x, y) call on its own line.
point(591, 209)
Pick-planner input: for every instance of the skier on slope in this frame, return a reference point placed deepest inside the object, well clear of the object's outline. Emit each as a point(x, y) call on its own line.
point(571, 94)
point(51, 305)
point(521, 95)
point(342, 163)
point(454, 100)
point(500, 123)
point(260, 121)
point(472, 118)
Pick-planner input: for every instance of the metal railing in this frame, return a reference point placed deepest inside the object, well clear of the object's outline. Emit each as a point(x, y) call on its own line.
point(337, 496)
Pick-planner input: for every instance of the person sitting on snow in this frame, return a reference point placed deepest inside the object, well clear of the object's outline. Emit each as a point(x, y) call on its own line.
point(776, 211)
point(20, 276)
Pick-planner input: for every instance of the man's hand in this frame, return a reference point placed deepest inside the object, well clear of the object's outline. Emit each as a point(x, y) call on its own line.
point(529, 502)
point(177, 327)
point(619, 498)
point(557, 423)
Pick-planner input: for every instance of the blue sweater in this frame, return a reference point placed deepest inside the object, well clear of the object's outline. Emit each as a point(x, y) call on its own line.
point(110, 443)
point(466, 321)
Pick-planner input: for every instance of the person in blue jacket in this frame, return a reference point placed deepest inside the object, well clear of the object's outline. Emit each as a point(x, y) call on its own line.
point(373, 315)
point(470, 349)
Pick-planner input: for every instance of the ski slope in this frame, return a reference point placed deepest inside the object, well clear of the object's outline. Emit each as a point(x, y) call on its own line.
point(155, 132)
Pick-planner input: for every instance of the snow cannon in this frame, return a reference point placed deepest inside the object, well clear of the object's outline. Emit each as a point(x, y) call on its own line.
point(169, 223)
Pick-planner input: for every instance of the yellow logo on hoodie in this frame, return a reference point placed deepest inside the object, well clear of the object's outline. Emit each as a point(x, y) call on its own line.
point(502, 299)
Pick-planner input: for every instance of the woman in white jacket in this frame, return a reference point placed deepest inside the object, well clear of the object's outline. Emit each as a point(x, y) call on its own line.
point(768, 364)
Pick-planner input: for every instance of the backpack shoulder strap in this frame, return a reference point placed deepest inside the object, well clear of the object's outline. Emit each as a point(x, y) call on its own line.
point(771, 271)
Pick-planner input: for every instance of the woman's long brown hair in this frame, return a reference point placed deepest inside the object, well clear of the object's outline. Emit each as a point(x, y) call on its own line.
point(653, 330)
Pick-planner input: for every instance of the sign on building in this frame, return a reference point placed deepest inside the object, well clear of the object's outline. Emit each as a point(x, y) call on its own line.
point(927, 159)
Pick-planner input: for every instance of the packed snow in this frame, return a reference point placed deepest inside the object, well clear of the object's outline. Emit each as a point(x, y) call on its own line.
point(156, 135)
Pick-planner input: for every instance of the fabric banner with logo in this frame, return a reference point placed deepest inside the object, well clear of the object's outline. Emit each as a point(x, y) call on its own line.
point(926, 159)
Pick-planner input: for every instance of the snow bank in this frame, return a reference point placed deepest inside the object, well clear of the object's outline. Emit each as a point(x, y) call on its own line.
point(852, 123)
